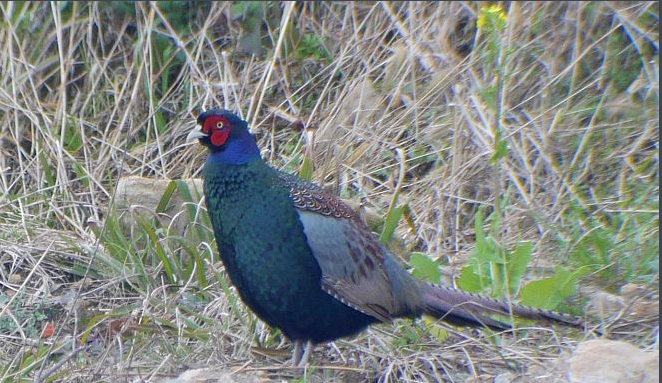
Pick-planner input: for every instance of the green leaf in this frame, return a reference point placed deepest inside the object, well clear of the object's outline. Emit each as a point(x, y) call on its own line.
point(307, 170)
point(541, 293)
point(601, 243)
point(547, 293)
point(391, 222)
point(81, 173)
point(487, 250)
point(195, 215)
point(481, 244)
point(490, 96)
point(158, 247)
point(73, 140)
point(165, 198)
point(425, 268)
point(491, 252)
point(312, 46)
point(160, 121)
point(500, 152)
point(470, 281)
point(394, 211)
point(242, 9)
point(435, 330)
point(48, 170)
point(517, 264)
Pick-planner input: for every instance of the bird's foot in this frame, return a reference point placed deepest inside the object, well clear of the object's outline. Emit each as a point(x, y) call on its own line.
point(301, 352)
point(297, 352)
point(307, 350)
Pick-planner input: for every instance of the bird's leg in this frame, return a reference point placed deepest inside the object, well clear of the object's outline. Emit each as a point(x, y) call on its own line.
point(297, 352)
point(307, 350)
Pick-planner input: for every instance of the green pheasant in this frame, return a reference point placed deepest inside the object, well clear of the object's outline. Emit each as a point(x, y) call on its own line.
point(304, 261)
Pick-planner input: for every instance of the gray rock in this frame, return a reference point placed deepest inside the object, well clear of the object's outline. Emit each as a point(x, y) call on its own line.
point(609, 361)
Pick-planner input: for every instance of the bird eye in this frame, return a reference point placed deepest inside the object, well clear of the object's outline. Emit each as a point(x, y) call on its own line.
point(219, 125)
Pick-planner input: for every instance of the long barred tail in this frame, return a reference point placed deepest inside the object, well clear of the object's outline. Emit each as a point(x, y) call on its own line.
point(467, 309)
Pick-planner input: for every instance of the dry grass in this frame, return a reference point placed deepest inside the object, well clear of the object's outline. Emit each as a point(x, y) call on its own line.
point(92, 92)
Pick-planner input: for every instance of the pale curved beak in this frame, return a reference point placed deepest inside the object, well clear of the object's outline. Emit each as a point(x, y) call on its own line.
point(195, 134)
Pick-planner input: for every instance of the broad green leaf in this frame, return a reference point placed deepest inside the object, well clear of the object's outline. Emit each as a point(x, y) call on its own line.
point(517, 264)
point(425, 268)
point(567, 281)
point(547, 293)
point(490, 251)
point(469, 280)
point(542, 293)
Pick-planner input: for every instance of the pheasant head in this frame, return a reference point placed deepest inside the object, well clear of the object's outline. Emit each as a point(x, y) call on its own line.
point(226, 136)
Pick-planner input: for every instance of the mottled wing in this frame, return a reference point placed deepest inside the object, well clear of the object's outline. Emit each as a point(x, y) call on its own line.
point(310, 197)
point(356, 268)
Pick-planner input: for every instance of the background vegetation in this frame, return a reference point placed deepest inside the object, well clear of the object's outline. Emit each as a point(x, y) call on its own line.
point(513, 147)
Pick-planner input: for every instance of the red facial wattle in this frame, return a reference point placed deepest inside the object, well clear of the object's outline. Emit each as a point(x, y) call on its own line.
point(219, 136)
point(218, 130)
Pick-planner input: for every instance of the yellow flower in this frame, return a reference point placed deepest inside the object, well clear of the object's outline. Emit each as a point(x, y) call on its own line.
point(492, 15)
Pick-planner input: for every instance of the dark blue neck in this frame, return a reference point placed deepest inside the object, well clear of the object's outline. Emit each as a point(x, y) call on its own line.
point(238, 151)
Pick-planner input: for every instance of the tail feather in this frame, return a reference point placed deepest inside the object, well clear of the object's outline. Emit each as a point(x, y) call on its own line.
point(468, 309)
